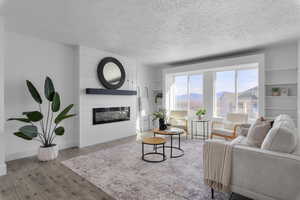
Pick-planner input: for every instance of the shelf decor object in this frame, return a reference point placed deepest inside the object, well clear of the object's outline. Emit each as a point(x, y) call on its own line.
point(284, 92)
point(275, 91)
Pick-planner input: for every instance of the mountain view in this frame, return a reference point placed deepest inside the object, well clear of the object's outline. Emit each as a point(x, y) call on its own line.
point(247, 101)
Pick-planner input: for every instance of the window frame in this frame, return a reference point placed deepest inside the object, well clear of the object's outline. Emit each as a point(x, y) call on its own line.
point(173, 96)
point(235, 69)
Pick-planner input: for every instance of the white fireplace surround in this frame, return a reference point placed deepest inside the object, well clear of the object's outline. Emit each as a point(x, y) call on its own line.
point(89, 134)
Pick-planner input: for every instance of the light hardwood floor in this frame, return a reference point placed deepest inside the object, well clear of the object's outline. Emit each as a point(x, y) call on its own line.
point(29, 179)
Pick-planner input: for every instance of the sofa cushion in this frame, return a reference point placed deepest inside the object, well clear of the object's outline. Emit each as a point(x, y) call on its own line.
point(257, 132)
point(281, 139)
point(285, 121)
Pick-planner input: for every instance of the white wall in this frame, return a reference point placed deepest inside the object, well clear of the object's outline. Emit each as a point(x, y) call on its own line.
point(280, 56)
point(298, 65)
point(2, 136)
point(92, 134)
point(150, 77)
point(34, 59)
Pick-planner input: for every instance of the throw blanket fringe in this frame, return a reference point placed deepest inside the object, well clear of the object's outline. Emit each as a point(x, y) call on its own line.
point(217, 165)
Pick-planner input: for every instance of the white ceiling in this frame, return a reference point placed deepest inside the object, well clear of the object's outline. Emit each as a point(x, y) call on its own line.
point(157, 31)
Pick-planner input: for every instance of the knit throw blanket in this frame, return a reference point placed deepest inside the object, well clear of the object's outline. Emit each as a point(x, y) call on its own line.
point(217, 165)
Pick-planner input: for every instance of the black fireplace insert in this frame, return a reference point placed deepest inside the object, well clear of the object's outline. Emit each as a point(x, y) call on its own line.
point(111, 114)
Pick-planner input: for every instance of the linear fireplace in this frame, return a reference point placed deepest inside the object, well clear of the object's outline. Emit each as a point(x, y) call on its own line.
point(111, 114)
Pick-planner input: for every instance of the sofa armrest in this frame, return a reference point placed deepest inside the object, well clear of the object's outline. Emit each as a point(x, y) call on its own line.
point(267, 173)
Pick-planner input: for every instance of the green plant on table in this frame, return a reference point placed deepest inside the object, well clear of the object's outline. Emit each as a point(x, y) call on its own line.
point(201, 112)
point(159, 115)
point(48, 124)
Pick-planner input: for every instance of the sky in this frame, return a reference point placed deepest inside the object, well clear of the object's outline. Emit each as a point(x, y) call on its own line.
point(224, 81)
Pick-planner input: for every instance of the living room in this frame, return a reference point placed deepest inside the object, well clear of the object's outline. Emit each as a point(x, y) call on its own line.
point(190, 100)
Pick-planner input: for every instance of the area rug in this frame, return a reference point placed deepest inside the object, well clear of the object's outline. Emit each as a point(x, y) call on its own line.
point(121, 173)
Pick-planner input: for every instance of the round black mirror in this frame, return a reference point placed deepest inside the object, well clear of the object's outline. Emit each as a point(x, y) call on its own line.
point(111, 73)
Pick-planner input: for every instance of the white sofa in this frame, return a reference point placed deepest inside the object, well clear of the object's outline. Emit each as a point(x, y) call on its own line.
point(263, 174)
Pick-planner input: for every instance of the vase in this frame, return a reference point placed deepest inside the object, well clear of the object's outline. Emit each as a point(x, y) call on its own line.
point(162, 125)
point(200, 117)
point(48, 153)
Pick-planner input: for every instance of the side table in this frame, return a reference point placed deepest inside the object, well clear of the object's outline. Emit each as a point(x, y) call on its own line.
point(205, 128)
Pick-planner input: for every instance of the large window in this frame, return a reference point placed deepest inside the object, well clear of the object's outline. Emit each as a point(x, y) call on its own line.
point(188, 92)
point(236, 91)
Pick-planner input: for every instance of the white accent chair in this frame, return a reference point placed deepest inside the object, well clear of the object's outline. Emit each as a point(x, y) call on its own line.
point(228, 128)
point(179, 119)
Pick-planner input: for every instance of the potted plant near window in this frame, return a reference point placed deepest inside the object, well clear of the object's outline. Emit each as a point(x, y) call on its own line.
point(200, 113)
point(40, 127)
point(161, 116)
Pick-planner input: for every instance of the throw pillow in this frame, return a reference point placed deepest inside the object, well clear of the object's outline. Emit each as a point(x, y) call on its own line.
point(281, 139)
point(257, 132)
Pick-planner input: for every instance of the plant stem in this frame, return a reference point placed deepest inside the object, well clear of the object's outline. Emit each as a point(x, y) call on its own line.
point(50, 126)
point(47, 121)
point(51, 139)
point(43, 128)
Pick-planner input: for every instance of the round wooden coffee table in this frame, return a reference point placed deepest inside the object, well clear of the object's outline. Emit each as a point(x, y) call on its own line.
point(155, 141)
point(171, 132)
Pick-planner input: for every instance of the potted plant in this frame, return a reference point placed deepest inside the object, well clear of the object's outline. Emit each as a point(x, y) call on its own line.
point(200, 113)
point(160, 115)
point(40, 127)
point(275, 91)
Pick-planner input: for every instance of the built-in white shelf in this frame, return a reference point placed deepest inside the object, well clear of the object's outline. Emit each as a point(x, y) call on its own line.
point(281, 83)
point(273, 117)
point(281, 76)
point(281, 69)
point(280, 108)
point(281, 97)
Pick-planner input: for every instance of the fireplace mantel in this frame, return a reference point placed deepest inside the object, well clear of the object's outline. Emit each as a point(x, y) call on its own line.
point(109, 91)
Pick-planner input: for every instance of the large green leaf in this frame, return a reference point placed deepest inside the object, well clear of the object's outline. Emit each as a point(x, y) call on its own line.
point(20, 119)
point(58, 120)
point(56, 102)
point(34, 93)
point(64, 112)
point(59, 130)
point(49, 89)
point(34, 116)
point(23, 136)
point(30, 131)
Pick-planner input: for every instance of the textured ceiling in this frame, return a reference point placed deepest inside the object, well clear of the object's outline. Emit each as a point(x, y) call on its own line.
point(157, 31)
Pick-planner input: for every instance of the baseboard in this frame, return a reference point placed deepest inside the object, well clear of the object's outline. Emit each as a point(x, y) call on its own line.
point(33, 152)
point(3, 169)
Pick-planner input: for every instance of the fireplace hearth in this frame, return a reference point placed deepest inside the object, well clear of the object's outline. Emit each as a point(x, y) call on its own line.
point(111, 114)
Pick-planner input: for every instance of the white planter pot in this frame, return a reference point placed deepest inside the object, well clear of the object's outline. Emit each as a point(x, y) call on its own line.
point(48, 153)
point(200, 117)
